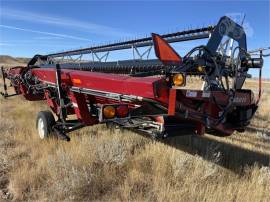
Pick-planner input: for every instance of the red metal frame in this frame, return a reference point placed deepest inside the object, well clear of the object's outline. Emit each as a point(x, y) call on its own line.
point(154, 88)
point(113, 83)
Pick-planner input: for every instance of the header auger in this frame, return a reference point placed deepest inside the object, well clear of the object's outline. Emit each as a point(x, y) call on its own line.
point(144, 94)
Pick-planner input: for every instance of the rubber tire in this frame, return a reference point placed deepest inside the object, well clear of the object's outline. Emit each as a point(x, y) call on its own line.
point(48, 122)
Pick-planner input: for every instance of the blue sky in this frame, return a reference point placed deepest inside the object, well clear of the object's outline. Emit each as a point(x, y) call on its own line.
point(31, 27)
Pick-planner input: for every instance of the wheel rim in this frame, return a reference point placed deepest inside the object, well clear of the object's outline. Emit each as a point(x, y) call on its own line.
point(41, 129)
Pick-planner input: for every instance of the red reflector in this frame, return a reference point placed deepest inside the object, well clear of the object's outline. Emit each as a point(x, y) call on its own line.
point(172, 101)
point(122, 111)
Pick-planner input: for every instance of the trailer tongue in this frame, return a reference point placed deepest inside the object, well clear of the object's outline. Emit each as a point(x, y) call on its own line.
point(144, 94)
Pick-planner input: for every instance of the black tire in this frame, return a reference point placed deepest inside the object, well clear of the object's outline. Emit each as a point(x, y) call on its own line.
point(44, 124)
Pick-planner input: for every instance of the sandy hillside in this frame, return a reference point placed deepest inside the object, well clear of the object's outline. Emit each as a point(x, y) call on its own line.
point(9, 61)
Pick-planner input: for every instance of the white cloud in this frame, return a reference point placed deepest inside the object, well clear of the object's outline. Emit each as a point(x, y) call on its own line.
point(64, 22)
point(47, 38)
point(45, 33)
point(6, 44)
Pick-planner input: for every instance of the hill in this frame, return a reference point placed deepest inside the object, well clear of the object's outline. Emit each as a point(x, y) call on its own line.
point(8, 61)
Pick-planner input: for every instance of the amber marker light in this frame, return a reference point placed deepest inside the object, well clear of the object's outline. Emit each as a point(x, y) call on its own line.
point(178, 80)
point(109, 112)
point(200, 69)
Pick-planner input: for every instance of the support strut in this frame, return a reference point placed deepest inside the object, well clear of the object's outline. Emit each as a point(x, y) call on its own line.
point(62, 108)
point(4, 94)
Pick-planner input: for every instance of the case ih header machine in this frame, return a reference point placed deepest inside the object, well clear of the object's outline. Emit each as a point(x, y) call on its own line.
point(145, 94)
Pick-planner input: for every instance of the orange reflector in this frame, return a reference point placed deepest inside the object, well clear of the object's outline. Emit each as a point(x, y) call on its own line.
point(178, 79)
point(76, 81)
point(122, 111)
point(109, 112)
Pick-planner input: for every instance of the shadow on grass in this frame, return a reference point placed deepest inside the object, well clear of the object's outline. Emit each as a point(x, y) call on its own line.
point(227, 155)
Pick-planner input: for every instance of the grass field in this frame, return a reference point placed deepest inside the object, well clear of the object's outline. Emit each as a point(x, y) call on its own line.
point(114, 165)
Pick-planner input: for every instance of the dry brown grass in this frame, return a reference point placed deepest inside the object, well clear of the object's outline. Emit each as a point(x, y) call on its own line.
point(111, 165)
